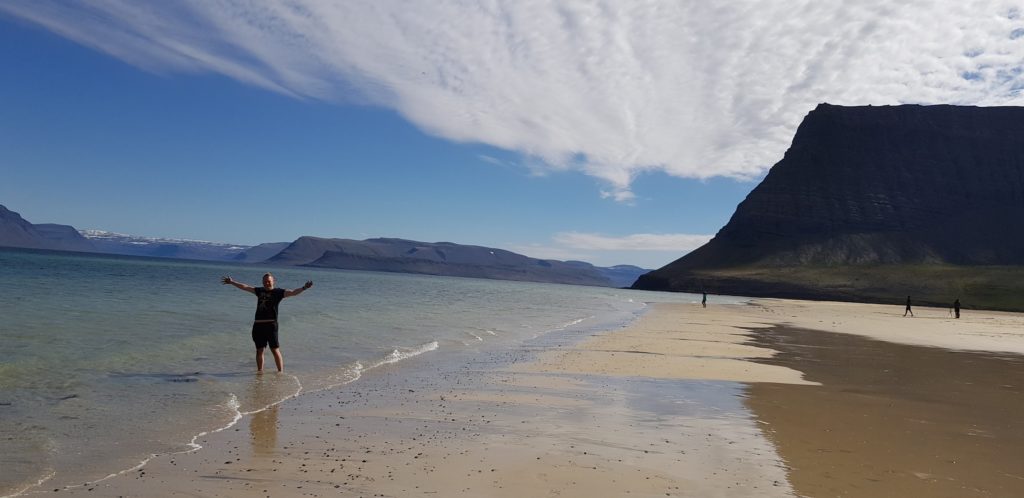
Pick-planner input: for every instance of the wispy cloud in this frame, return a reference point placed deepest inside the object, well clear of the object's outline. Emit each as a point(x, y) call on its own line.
point(643, 249)
point(611, 88)
point(491, 159)
point(544, 251)
point(677, 243)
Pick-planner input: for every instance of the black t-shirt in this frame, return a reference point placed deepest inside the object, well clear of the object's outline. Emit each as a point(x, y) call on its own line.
point(266, 303)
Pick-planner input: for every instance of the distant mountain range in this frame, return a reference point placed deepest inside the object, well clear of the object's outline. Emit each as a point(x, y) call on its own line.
point(446, 258)
point(132, 245)
point(383, 254)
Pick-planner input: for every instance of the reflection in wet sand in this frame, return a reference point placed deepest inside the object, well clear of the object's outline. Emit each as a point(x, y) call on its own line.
point(263, 429)
point(891, 419)
point(265, 393)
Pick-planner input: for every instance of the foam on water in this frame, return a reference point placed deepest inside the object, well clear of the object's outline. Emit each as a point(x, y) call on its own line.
point(398, 355)
point(49, 475)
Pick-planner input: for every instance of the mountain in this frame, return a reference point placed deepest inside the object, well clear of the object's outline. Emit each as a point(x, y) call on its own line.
point(133, 245)
point(874, 203)
point(260, 253)
point(391, 255)
point(621, 275)
point(15, 231)
point(445, 258)
point(618, 276)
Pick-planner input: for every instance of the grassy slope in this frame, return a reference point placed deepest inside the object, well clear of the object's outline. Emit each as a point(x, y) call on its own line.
point(988, 287)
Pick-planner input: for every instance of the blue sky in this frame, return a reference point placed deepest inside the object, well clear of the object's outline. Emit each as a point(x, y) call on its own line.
point(574, 130)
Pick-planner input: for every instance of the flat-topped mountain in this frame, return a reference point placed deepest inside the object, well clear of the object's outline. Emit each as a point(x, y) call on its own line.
point(865, 194)
point(446, 258)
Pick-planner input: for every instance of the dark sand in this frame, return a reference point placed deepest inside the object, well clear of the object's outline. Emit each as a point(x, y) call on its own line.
point(893, 420)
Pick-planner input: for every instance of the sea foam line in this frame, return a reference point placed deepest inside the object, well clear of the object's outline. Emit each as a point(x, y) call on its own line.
point(30, 486)
point(298, 391)
point(355, 373)
point(398, 355)
point(193, 446)
point(395, 356)
point(564, 326)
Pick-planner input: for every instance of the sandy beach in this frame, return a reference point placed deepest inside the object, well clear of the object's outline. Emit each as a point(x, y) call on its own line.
point(771, 398)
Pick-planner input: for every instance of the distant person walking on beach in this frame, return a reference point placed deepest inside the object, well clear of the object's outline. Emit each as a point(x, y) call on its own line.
point(264, 326)
point(956, 307)
point(908, 310)
point(704, 300)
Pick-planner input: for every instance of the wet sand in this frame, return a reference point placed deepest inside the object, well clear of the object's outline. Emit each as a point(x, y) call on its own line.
point(740, 400)
point(894, 420)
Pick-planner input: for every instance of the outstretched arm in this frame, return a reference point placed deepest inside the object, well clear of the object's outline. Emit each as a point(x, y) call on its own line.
point(298, 291)
point(231, 281)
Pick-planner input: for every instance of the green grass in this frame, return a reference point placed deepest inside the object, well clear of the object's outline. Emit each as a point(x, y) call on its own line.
point(981, 287)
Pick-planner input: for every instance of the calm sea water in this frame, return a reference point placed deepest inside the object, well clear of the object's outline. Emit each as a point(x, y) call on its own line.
point(105, 361)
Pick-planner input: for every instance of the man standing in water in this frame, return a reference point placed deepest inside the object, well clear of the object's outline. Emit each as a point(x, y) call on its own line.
point(264, 327)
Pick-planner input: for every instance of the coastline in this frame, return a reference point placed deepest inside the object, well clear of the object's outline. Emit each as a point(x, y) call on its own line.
point(672, 404)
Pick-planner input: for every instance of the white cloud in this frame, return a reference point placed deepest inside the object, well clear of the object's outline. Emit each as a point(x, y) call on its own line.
point(541, 251)
point(611, 88)
point(491, 159)
point(644, 249)
point(676, 243)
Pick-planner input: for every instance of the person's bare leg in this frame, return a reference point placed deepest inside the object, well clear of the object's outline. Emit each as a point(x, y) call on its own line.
point(278, 359)
point(259, 359)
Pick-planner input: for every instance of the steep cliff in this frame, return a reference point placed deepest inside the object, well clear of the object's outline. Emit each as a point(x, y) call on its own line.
point(871, 187)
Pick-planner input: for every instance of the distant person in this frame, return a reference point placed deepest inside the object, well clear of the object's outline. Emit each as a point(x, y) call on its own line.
point(908, 310)
point(264, 326)
point(956, 307)
point(704, 300)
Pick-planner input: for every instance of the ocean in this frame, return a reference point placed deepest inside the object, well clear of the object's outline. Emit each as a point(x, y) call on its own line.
point(106, 361)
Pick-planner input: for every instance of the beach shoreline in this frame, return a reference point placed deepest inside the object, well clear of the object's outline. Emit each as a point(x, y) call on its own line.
point(663, 406)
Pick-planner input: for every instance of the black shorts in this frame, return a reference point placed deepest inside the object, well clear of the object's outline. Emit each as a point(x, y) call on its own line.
point(265, 333)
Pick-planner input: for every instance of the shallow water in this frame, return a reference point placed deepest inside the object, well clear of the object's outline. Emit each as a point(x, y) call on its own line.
point(108, 360)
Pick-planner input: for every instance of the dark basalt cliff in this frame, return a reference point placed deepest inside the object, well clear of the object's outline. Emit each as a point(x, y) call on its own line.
point(872, 187)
